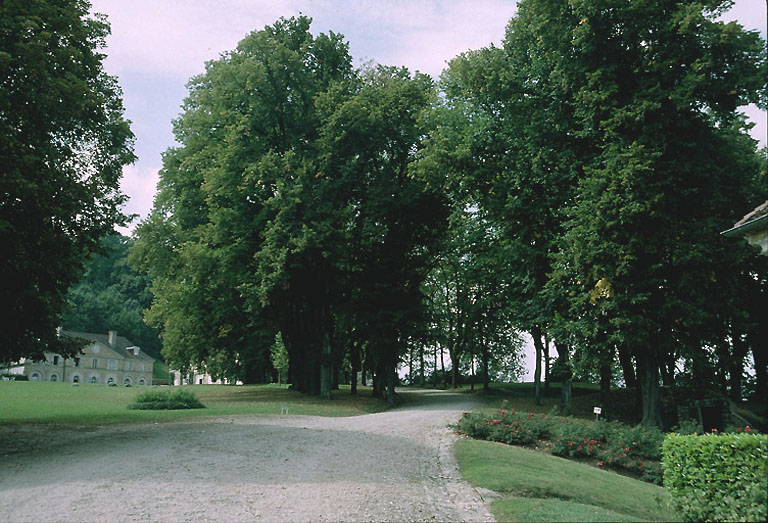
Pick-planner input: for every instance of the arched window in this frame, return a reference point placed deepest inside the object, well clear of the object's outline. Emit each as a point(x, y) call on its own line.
point(35, 376)
point(142, 382)
point(110, 380)
point(94, 379)
point(75, 379)
point(54, 377)
point(127, 381)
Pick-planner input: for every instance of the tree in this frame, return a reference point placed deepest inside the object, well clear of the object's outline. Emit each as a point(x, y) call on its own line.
point(670, 167)
point(112, 296)
point(63, 143)
point(288, 207)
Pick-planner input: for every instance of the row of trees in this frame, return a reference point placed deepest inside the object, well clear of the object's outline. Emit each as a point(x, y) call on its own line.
point(603, 141)
point(571, 183)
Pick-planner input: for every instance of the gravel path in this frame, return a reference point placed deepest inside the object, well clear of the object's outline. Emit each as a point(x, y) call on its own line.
point(393, 466)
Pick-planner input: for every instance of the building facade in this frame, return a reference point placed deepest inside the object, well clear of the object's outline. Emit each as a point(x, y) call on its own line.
point(107, 358)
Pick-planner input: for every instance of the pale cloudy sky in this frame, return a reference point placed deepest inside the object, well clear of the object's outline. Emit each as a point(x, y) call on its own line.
point(156, 46)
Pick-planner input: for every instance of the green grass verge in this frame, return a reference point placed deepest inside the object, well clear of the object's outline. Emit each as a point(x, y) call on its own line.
point(555, 489)
point(91, 404)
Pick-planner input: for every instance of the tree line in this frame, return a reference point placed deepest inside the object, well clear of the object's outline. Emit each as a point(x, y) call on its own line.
point(571, 183)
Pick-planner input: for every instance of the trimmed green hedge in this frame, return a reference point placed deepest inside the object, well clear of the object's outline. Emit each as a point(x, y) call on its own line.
point(717, 477)
point(164, 400)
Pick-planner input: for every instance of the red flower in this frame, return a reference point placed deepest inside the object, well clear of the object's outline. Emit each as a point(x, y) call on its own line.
point(600, 464)
point(747, 429)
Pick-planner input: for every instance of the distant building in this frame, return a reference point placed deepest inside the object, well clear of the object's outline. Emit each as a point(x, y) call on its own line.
point(197, 377)
point(753, 227)
point(108, 358)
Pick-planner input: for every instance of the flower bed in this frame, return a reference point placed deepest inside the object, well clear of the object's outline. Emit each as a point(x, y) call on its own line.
point(610, 444)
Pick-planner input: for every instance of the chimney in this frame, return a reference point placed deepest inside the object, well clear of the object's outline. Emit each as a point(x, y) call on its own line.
point(134, 349)
point(112, 338)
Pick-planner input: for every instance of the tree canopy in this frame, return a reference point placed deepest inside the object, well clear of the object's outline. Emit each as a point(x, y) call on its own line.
point(63, 144)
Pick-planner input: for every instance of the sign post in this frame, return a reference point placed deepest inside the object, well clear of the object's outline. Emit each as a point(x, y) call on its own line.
point(597, 411)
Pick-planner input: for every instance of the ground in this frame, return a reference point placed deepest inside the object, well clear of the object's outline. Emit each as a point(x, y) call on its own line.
point(392, 466)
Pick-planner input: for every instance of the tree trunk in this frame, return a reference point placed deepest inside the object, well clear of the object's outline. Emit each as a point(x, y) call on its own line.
point(605, 388)
point(625, 359)
point(455, 361)
point(486, 356)
point(421, 367)
point(648, 371)
point(354, 361)
point(566, 401)
point(536, 335)
point(546, 364)
point(736, 365)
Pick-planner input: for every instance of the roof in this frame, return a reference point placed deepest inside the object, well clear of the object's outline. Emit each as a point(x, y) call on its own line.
point(121, 344)
point(759, 211)
point(756, 219)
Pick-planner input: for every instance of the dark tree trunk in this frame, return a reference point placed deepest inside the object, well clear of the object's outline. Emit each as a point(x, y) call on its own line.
point(759, 344)
point(455, 361)
point(442, 368)
point(625, 359)
point(648, 371)
point(354, 360)
point(536, 335)
point(546, 364)
point(736, 366)
point(605, 387)
point(486, 357)
point(422, 381)
point(566, 400)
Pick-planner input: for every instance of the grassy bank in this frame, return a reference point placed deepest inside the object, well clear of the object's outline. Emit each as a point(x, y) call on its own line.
point(538, 487)
point(90, 404)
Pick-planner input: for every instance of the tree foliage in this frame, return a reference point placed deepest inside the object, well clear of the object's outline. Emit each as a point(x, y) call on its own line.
point(112, 296)
point(289, 207)
point(63, 143)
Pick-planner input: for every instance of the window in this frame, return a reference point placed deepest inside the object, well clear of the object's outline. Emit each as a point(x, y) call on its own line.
point(55, 360)
point(54, 377)
point(141, 367)
point(127, 365)
point(110, 380)
point(127, 381)
point(77, 362)
point(75, 379)
point(112, 364)
point(142, 382)
point(35, 376)
point(95, 363)
point(94, 379)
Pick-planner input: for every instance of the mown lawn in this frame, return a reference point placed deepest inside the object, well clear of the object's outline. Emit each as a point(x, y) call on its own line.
point(539, 487)
point(92, 404)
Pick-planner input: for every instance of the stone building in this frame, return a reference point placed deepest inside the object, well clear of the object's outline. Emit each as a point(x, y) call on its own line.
point(108, 358)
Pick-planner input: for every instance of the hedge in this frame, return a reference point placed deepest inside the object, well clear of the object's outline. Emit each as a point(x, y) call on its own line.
point(717, 477)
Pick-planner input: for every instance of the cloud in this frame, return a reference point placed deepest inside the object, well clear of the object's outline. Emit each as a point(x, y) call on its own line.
point(140, 184)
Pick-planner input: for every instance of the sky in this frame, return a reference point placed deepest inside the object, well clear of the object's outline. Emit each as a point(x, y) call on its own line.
point(156, 46)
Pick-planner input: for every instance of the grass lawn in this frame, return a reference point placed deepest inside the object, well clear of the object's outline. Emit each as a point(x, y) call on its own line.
point(92, 404)
point(539, 487)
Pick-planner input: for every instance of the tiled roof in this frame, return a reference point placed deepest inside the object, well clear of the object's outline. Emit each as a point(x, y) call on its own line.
point(760, 211)
point(121, 343)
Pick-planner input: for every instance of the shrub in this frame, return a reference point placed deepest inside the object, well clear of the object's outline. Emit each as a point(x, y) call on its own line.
point(717, 477)
point(505, 427)
point(164, 400)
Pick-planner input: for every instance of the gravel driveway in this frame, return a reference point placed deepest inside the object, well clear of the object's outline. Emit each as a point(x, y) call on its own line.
point(393, 466)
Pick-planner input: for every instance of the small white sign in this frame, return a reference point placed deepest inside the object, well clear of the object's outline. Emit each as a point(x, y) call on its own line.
point(597, 410)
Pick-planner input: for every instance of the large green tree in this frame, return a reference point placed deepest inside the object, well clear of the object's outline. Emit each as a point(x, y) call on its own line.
point(288, 206)
point(63, 144)
point(670, 167)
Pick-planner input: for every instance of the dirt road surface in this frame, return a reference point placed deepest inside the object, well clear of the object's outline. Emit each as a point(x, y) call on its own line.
point(393, 466)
